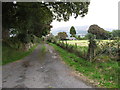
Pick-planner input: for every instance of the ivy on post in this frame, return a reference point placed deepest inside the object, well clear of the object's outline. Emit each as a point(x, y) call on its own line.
point(75, 45)
point(118, 60)
point(91, 48)
point(117, 43)
point(66, 44)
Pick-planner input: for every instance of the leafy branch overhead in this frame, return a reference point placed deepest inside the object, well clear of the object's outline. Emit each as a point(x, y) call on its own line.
point(35, 18)
point(63, 11)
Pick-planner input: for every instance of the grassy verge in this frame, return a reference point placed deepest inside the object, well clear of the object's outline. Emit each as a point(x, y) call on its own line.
point(104, 74)
point(82, 48)
point(43, 49)
point(10, 55)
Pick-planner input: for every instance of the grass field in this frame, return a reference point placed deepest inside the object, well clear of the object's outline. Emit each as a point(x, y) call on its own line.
point(78, 42)
point(83, 42)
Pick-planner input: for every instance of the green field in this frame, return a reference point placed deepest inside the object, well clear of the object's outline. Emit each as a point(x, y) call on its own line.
point(83, 42)
point(78, 42)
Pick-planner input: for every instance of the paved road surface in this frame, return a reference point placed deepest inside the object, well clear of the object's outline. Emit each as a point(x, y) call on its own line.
point(40, 70)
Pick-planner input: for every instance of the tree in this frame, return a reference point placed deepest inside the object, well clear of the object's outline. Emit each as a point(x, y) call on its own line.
point(62, 35)
point(27, 19)
point(116, 33)
point(99, 32)
point(78, 37)
point(72, 31)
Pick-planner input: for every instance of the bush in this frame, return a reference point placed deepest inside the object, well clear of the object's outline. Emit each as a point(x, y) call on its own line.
point(108, 48)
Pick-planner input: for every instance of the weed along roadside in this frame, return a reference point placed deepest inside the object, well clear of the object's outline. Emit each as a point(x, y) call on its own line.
point(42, 52)
point(43, 49)
point(99, 74)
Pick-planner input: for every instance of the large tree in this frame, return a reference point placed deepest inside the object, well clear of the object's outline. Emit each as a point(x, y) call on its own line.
point(62, 35)
point(27, 19)
point(72, 31)
point(99, 32)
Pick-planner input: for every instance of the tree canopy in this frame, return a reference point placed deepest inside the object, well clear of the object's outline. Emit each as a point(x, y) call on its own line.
point(116, 33)
point(99, 32)
point(26, 19)
point(62, 35)
point(72, 31)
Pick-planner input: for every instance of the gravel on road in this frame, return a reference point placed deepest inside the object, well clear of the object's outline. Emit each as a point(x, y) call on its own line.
point(40, 70)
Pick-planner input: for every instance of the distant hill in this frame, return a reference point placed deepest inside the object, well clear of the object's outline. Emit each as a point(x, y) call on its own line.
point(80, 30)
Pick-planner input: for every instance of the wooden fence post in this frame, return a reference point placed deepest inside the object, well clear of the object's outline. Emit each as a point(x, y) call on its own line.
point(84, 54)
point(76, 45)
point(91, 49)
point(118, 55)
point(66, 44)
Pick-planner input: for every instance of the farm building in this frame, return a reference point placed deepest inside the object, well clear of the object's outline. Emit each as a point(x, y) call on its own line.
point(71, 38)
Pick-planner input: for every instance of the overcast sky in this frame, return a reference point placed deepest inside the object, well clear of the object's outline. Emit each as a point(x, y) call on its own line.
point(101, 12)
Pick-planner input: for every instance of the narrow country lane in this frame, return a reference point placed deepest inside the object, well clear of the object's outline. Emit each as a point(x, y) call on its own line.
point(40, 70)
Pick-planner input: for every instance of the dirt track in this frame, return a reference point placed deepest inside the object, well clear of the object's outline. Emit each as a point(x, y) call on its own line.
point(40, 70)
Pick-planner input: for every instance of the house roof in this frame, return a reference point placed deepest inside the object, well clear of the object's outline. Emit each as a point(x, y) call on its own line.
point(70, 38)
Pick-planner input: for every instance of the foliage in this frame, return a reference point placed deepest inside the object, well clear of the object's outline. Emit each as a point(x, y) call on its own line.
point(88, 35)
point(35, 18)
point(11, 54)
point(62, 35)
point(91, 36)
point(102, 74)
point(80, 51)
point(116, 33)
point(78, 37)
point(91, 47)
point(99, 32)
point(72, 31)
point(21, 43)
point(51, 38)
point(101, 65)
point(108, 48)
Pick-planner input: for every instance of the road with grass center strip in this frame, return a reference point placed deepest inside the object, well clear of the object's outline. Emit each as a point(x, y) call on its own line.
point(41, 69)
